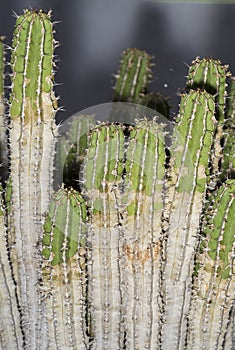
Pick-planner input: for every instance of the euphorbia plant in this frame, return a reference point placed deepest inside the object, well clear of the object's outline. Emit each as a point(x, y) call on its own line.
point(135, 250)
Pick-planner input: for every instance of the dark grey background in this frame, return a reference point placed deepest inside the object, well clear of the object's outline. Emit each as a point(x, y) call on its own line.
point(93, 33)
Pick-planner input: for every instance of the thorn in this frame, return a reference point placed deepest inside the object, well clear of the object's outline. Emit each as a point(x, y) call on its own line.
point(49, 14)
point(58, 84)
point(56, 22)
point(62, 109)
point(14, 14)
point(8, 47)
point(187, 65)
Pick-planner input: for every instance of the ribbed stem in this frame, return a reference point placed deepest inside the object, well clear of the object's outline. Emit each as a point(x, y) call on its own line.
point(214, 282)
point(64, 271)
point(11, 335)
point(70, 149)
point(133, 76)
point(157, 102)
point(228, 161)
point(32, 139)
point(141, 235)
point(230, 333)
point(102, 176)
point(192, 141)
point(3, 138)
point(210, 75)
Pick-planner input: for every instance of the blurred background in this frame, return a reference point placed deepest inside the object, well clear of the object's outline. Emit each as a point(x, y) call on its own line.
point(92, 35)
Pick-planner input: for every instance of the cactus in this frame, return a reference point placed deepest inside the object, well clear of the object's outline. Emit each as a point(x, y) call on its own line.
point(70, 149)
point(187, 189)
point(133, 76)
point(210, 75)
point(1, 79)
point(157, 102)
point(139, 253)
point(102, 174)
point(32, 139)
point(10, 327)
point(3, 139)
point(214, 281)
point(228, 161)
point(64, 270)
point(142, 205)
point(132, 82)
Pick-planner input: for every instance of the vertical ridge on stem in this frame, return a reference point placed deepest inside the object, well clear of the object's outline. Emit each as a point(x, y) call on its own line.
point(192, 142)
point(102, 175)
point(214, 282)
point(32, 140)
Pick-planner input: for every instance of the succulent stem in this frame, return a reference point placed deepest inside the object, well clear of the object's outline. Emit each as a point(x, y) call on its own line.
point(157, 102)
point(11, 334)
point(192, 142)
point(32, 139)
point(133, 76)
point(102, 175)
point(141, 235)
point(71, 147)
point(210, 75)
point(228, 161)
point(64, 271)
point(139, 253)
point(3, 138)
point(214, 282)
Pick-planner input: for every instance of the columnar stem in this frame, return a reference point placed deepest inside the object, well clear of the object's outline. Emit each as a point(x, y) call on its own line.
point(141, 235)
point(32, 139)
point(133, 76)
point(214, 281)
point(64, 271)
point(102, 175)
point(210, 75)
point(70, 149)
point(192, 141)
point(228, 161)
point(11, 333)
point(3, 138)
